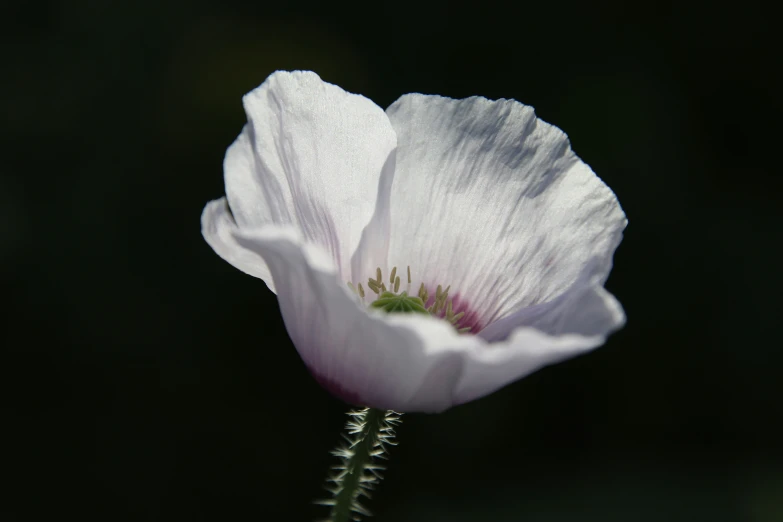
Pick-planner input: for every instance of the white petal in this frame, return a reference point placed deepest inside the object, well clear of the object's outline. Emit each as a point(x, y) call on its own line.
point(368, 358)
point(311, 156)
point(493, 366)
point(491, 200)
point(403, 362)
point(218, 227)
point(578, 320)
point(585, 309)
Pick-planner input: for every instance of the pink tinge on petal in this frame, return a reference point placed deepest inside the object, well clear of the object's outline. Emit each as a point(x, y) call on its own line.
point(337, 389)
point(472, 318)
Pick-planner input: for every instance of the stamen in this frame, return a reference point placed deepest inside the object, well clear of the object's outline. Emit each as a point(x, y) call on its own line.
point(423, 295)
point(440, 300)
point(393, 301)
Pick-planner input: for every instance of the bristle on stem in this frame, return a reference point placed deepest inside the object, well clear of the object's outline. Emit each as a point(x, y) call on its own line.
point(370, 432)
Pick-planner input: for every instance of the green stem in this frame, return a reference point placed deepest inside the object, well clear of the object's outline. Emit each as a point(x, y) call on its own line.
point(370, 431)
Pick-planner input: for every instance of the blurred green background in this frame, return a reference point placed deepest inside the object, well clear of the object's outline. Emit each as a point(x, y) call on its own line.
point(146, 379)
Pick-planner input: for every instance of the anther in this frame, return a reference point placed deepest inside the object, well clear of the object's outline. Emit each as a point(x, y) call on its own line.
point(393, 273)
point(440, 303)
point(423, 293)
point(397, 284)
point(361, 291)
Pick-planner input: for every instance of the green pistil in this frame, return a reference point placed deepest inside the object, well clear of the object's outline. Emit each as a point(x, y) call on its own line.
point(399, 303)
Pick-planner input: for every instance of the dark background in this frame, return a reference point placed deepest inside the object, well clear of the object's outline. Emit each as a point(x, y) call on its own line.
point(146, 379)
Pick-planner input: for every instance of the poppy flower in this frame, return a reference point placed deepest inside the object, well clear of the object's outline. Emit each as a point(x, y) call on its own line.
point(423, 256)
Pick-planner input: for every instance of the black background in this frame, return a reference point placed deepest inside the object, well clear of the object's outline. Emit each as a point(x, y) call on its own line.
point(146, 379)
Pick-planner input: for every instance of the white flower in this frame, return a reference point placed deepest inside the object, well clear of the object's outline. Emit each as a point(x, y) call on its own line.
point(323, 187)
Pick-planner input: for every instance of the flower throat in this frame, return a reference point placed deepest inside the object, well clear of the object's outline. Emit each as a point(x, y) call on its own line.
point(391, 300)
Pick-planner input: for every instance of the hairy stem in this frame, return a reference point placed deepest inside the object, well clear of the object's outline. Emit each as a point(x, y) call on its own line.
point(369, 432)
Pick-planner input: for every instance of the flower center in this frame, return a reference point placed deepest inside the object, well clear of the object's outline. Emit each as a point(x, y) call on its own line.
point(393, 301)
